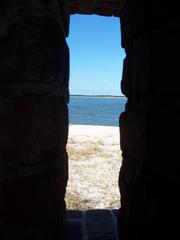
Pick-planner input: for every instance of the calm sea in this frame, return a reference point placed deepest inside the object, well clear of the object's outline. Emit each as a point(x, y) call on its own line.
point(95, 110)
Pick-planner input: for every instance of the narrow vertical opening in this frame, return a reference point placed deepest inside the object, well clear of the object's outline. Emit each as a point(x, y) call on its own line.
point(95, 104)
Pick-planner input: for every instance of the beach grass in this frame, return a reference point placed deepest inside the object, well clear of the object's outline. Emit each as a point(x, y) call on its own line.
point(94, 163)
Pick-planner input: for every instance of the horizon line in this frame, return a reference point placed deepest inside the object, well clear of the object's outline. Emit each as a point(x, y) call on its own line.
point(97, 95)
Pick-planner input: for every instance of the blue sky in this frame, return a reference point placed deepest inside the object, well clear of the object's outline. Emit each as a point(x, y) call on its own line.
point(96, 56)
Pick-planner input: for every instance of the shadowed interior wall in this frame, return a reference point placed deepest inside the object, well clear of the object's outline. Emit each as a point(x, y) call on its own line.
point(150, 132)
point(34, 60)
point(34, 71)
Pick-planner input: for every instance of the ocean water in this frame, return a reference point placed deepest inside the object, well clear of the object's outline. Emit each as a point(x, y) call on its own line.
point(95, 110)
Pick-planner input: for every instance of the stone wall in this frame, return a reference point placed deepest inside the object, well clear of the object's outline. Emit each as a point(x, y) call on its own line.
point(34, 73)
point(99, 7)
point(34, 59)
point(149, 177)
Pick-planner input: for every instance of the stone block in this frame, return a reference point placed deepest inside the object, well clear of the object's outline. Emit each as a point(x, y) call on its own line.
point(34, 172)
point(34, 75)
point(74, 229)
point(100, 224)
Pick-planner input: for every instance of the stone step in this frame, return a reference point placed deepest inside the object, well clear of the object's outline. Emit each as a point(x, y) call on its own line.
point(92, 224)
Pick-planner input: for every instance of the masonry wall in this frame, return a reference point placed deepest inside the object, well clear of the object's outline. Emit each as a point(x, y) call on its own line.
point(34, 59)
point(149, 177)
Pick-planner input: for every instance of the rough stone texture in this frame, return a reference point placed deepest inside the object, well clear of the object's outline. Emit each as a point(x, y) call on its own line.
point(34, 60)
point(99, 7)
point(34, 73)
point(149, 176)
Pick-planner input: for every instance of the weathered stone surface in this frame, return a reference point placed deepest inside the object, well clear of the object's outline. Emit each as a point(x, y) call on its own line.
point(149, 176)
point(34, 74)
point(14, 10)
point(34, 52)
point(140, 17)
point(99, 224)
point(33, 131)
point(99, 7)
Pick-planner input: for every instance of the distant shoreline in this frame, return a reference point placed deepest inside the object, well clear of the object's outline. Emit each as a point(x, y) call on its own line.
point(98, 96)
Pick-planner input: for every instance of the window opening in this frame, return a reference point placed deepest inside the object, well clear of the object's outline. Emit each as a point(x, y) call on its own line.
point(95, 104)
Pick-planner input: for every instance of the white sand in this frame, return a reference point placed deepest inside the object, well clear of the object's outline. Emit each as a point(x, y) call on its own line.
point(94, 163)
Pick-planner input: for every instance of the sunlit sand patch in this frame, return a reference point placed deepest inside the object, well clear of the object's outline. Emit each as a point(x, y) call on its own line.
point(94, 163)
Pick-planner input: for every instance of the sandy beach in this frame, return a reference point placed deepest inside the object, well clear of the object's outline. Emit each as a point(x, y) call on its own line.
point(94, 163)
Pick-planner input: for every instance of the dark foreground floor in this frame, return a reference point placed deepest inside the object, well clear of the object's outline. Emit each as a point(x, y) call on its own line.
point(92, 225)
